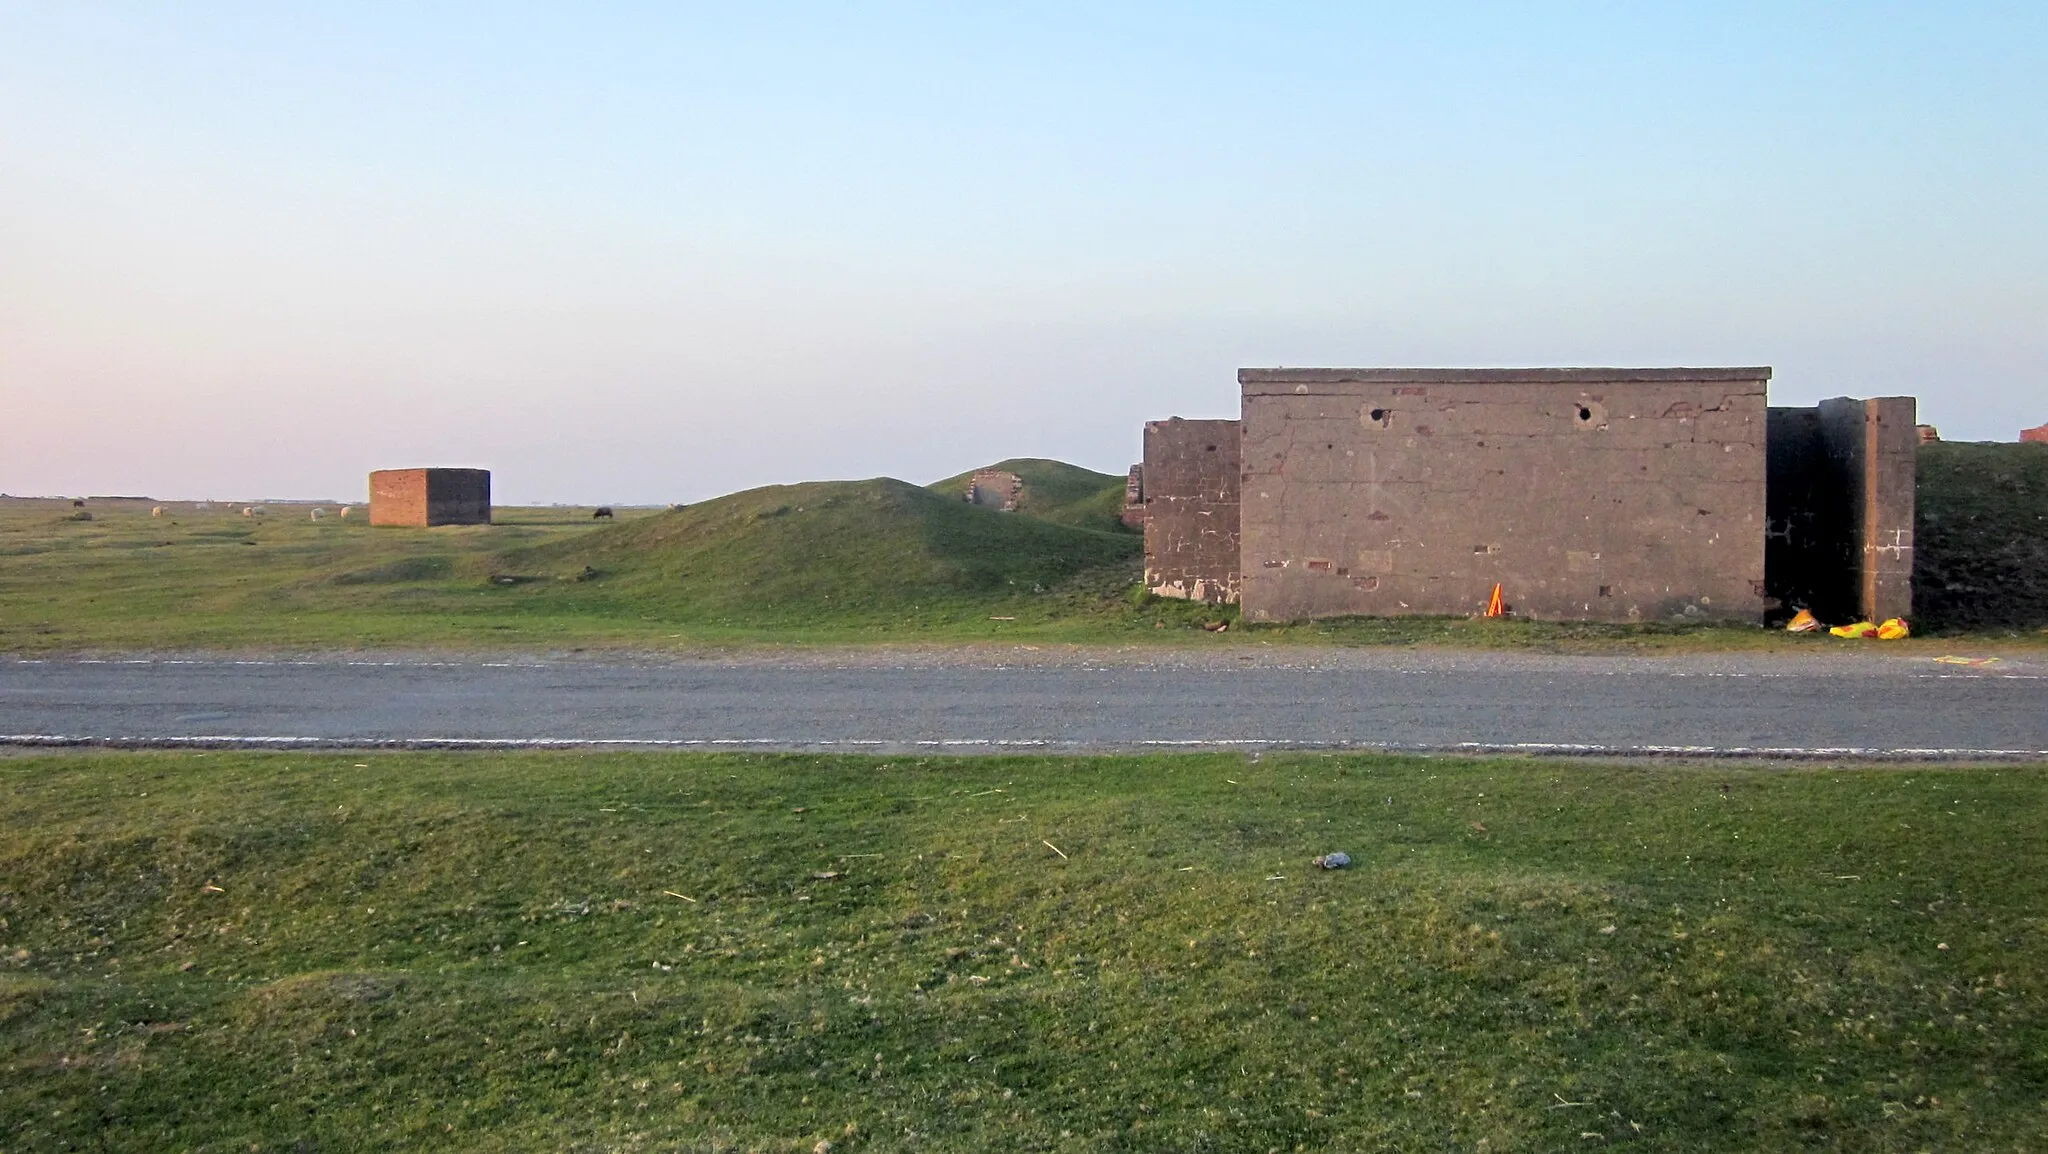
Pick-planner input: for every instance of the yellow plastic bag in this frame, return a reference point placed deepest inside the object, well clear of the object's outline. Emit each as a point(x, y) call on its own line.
point(1802, 622)
point(1893, 629)
point(1859, 629)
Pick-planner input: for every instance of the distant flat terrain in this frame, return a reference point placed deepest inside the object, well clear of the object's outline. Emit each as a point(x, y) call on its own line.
point(1069, 699)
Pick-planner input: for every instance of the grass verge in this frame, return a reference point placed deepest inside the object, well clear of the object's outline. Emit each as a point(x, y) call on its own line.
point(584, 952)
point(841, 563)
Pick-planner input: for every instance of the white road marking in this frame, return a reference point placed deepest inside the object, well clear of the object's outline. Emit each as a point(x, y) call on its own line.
point(1761, 675)
point(1567, 749)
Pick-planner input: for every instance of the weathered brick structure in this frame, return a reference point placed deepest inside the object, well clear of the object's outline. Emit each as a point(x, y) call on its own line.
point(994, 489)
point(1133, 515)
point(1586, 494)
point(2037, 434)
point(1840, 507)
point(422, 497)
point(1190, 482)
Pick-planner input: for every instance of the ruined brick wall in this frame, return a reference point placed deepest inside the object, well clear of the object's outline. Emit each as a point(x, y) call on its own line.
point(2038, 434)
point(1587, 494)
point(994, 489)
point(424, 497)
point(1190, 478)
point(1133, 515)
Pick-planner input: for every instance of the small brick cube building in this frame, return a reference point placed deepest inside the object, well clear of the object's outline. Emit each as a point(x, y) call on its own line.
point(423, 497)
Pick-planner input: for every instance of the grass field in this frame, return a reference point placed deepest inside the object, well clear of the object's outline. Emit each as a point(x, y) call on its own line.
point(883, 562)
point(829, 563)
point(651, 952)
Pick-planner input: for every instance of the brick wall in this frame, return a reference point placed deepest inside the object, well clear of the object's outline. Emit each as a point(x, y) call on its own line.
point(994, 489)
point(425, 497)
point(1133, 515)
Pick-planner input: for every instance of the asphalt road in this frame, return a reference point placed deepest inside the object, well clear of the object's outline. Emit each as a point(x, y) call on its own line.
point(1825, 705)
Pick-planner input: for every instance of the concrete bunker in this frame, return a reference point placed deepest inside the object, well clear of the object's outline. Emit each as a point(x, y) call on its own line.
point(427, 497)
point(1585, 494)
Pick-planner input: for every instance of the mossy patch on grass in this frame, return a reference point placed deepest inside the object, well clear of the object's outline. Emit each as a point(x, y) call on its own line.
point(427, 568)
point(582, 951)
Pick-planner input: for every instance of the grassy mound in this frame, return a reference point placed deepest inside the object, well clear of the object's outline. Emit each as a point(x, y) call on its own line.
point(1981, 537)
point(827, 550)
point(1058, 492)
point(603, 952)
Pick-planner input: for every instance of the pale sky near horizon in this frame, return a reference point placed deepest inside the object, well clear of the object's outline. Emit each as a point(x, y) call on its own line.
point(641, 253)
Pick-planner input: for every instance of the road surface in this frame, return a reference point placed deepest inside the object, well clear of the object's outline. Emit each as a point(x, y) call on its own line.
point(1832, 703)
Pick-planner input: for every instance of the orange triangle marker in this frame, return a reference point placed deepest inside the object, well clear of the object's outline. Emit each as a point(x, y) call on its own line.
point(1494, 608)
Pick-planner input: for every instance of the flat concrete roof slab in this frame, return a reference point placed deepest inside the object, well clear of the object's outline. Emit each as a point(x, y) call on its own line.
point(1251, 379)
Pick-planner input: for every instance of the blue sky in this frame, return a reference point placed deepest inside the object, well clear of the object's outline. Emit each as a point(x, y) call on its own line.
point(641, 253)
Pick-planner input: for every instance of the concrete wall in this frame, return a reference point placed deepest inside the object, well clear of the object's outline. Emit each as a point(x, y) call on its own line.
point(1877, 440)
point(1190, 481)
point(1813, 503)
point(423, 497)
point(1587, 494)
point(1840, 500)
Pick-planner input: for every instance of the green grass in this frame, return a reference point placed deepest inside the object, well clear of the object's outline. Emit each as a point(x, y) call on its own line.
point(1058, 492)
point(850, 552)
point(471, 952)
point(837, 563)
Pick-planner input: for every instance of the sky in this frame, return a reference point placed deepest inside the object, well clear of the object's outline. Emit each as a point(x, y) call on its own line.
point(645, 253)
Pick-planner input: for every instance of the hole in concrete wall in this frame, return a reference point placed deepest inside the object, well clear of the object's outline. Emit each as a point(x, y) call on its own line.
point(1590, 415)
point(1209, 448)
point(1378, 414)
point(1607, 591)
point(1585, 414)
